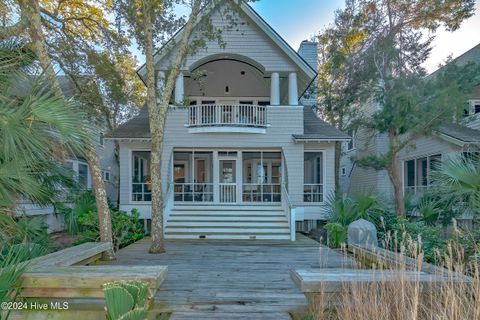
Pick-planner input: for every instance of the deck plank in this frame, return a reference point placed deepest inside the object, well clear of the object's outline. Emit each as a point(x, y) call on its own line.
point(225, 279)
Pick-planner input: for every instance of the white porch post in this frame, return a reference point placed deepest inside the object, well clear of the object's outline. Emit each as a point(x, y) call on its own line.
point(179, 89)
point(292, 89)
point(216, 178)
point(239, 169)
point(275, 89)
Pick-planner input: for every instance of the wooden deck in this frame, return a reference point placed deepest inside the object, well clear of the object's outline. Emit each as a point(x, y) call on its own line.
point(232, 279)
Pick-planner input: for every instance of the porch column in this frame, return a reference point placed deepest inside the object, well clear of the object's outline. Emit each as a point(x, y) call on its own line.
point(216, 178)
point(292, 89)
point(239, 169)
point(179, 89)
point(275, 89)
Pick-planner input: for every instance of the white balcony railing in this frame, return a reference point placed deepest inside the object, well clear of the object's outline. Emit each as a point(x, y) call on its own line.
point(240, 115)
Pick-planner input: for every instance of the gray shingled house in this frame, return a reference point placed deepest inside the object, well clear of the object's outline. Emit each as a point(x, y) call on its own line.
point(243, 157)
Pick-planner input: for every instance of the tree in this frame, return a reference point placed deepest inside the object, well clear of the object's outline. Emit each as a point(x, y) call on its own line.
point(337, 80)
point(390, 68)
point(148, 21)
point(37, 127)
point(62, 34)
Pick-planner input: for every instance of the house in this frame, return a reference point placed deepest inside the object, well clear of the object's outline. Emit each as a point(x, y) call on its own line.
point(242, 157)
point(106, 152)
point(420, 156)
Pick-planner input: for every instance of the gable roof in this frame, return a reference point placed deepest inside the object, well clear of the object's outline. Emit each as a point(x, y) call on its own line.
point(135, 128)
point(459, 134)
point(315, 129)
point(257, 19)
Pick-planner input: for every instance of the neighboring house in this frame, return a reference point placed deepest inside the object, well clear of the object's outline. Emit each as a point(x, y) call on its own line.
point(242, 159)
point(418, 158)
point(81, 170)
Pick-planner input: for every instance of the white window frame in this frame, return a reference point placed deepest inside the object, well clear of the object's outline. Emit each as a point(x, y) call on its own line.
point(353, 141)
point(130, 173)
point(104, 174)
point(415, 159)
point(324, 189)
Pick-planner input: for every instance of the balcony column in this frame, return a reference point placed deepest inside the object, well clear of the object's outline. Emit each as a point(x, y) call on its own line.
point(179, 89)
point(292, 89)
point(275, 89)
point(216, 178)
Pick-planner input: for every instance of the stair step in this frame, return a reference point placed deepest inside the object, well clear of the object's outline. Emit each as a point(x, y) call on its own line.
point(222, 236)
point(228, 213)
point(262, 224)
point(210, 218)
point(239, 229)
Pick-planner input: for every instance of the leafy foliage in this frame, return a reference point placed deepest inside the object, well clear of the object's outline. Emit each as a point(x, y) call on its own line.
point(82, 220)
point(126, 300)
point(343, 211)
point(37, 128)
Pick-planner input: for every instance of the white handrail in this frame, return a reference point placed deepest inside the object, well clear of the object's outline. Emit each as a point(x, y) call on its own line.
point(291, 214)
point(167, 205)
point(246, 115)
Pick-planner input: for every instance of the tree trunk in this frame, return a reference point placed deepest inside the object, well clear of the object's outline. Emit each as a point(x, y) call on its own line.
point(338, 152)
point(31, 10)
point(157, 245)
point(158, 116)
point(394, 173)
point(104, 219)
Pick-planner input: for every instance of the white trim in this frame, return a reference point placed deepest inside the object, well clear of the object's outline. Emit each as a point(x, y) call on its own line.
point(320, 139)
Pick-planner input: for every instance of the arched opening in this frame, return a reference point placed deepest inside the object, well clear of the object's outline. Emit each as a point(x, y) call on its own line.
point(227, 79)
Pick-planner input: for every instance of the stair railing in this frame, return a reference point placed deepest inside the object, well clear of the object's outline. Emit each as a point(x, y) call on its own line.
point(289, 210)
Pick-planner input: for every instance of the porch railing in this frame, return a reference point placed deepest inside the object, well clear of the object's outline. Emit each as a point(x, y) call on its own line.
point(255, 192)
point(193, 192)
point(141, 191)
point(228, 192)
point(241, 115)
point(313, 192)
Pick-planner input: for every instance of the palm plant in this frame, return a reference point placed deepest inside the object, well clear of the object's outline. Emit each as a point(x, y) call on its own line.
point(457, 181)
point(37, 129)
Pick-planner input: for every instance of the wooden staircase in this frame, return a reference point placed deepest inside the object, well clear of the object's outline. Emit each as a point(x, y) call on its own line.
point(222, 223)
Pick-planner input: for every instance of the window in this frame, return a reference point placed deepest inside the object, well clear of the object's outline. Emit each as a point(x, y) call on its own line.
point(106, 175)
point(262, 176)
point(343, 171)
point(83, 175)
point(80, 171)
point(351, 143)
point(417, 173)
point(141, 179)
point(313, 177)
point(263, 103)
point(473, 108)
point(192, 176)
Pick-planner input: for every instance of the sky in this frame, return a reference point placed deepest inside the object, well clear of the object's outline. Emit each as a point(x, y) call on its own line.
point(297, 20)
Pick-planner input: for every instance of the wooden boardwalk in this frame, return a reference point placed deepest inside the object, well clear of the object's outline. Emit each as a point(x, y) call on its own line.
point(232, 279)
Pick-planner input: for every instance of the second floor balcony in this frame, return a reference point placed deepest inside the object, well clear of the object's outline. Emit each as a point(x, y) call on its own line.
point(246, 118)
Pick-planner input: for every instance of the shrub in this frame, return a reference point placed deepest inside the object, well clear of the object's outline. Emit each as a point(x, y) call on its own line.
point(82, 220)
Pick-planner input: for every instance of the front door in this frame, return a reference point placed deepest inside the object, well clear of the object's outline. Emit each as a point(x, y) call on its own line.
point(228, 180)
